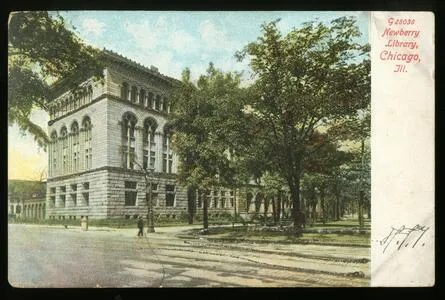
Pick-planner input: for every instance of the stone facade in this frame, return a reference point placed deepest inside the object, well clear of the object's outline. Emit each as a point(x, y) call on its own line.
point(107, 138)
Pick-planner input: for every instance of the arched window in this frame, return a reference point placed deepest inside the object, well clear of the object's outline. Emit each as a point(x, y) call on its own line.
point(150, 100)
point(77, 97)
point(150, 126)
point(64, 138)
point(158, 102)
point(167, 155)
point(134, 94)
point(124, 91)
point(53, 154)
point(142, 97)
point(90, 93)
point(164, 104)
point(128, 141)
point(86, 124)
point(70, 103)
point(75, 146)
point(84, 96)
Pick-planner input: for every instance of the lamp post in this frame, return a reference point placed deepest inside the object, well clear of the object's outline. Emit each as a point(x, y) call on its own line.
point(150, 226)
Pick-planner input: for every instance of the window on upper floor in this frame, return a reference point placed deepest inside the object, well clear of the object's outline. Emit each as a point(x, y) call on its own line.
point(86, 124)
point(134, 94)
point(142, 97)
point(128, 140)
point(124, 91)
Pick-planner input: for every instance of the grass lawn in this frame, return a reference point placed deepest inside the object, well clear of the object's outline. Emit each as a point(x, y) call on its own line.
point(257, 234)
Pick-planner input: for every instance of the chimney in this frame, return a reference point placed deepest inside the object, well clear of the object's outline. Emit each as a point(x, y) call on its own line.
point(154, 69)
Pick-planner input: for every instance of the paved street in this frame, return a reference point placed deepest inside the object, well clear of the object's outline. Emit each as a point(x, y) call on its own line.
point(44, 256)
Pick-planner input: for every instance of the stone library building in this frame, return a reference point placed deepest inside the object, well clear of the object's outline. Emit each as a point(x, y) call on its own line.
point(105, 136)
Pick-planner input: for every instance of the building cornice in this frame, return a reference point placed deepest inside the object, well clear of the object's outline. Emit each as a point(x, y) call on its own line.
point(113, 98)
point(115, 170)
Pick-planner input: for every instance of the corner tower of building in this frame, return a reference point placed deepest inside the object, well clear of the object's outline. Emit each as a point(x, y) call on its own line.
point(105, 135)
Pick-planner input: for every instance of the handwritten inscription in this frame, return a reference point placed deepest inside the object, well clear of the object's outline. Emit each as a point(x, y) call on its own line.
point(402, 43)
point(403, 237)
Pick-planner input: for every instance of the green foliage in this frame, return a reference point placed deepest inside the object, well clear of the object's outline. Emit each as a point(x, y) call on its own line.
point(310, 78)
point(205, 121)
point(25, 187)
point(42, 50)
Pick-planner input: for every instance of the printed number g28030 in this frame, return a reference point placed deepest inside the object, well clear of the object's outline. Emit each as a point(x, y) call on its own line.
point(392, 21)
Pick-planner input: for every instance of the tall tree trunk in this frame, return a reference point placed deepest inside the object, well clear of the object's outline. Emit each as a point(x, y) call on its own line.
point(369, 211)
point(360, 210)
point(337, 207)
point(314, 211)
point(294, 186)
point(323, 212)
point(266, 209)
point(205, 213)
point(274, 210)
point(278, 207)
point(360, 203)
point(191, 195)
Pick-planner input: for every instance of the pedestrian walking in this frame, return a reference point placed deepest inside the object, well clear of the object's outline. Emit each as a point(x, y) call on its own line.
point(140, 226)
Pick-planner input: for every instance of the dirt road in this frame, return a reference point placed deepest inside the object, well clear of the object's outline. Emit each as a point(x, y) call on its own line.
point(43, 256)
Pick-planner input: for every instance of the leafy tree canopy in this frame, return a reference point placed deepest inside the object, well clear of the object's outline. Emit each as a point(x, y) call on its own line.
point(41, 50)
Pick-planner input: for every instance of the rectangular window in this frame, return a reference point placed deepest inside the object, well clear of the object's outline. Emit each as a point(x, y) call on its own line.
point(169, 195)
point(170, 163)
point(130, 184)
point(86, 199)
point(74, 199)
point(223, 202)
point(164, 142)
point(74, 187)
point(164, 163)
point(52, 190)
point(130, 198)
point(62, 200)
point(52, 201)
point(86, 185)
point(130, 193)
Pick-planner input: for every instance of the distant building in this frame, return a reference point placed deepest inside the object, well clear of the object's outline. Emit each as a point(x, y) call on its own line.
point(106, 136)
point(26, 199)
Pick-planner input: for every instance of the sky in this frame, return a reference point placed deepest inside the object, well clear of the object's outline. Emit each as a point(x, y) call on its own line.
point(170, 41)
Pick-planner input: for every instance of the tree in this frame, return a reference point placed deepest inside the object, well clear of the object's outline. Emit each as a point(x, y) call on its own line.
point(41, 50)
point(273, 185)
point(357, 128)
point(312, 76)
point(204, 120)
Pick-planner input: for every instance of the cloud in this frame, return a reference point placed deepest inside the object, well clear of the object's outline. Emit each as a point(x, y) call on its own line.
point(211, 35)
point(143, 36)
point(163, 60)
point(183, 42)
point(93, 26)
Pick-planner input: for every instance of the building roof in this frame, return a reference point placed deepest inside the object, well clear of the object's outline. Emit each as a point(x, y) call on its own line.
point(26, 188)
point(111, 56)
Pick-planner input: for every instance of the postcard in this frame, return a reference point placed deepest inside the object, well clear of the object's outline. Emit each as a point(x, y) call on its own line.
point(221, 149)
